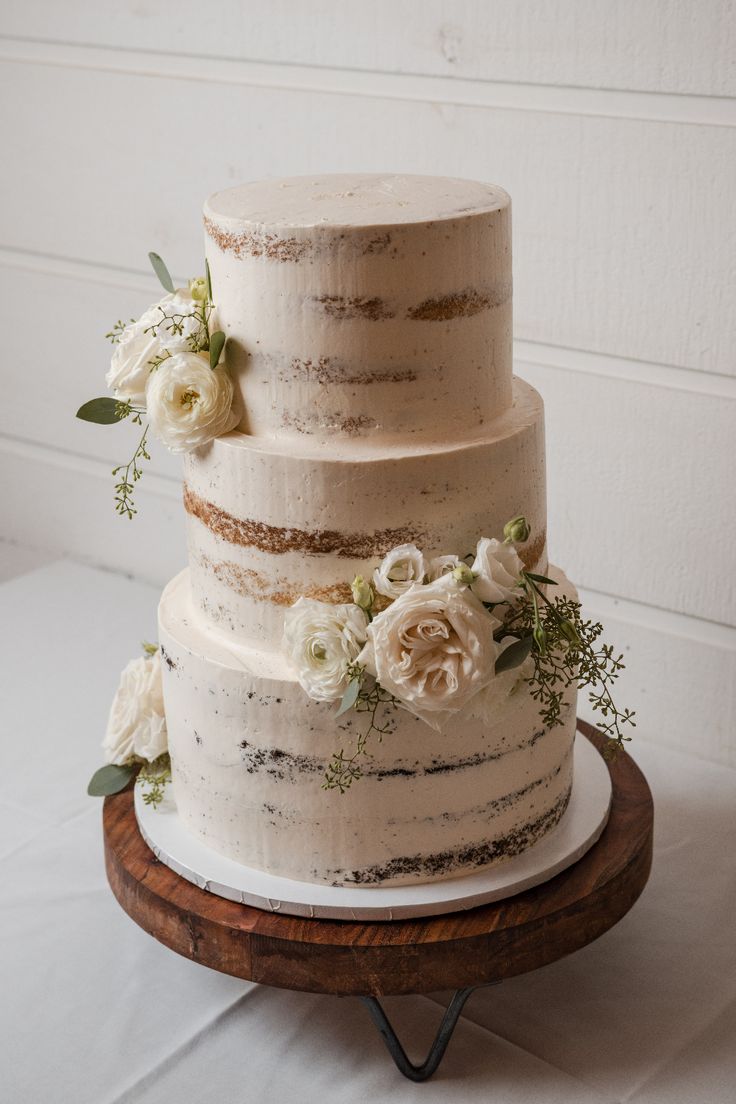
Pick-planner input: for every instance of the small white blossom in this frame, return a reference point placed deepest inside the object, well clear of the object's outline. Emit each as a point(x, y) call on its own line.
point(442, 565)
point(497, 568)
point(400, 569)
point(188, 402)
point(136, 728)
point(320, 640)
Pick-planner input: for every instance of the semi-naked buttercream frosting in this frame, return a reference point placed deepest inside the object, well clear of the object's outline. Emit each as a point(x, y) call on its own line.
point(369, 337)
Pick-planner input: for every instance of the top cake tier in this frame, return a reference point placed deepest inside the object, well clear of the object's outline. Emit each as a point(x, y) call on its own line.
point(364, 304)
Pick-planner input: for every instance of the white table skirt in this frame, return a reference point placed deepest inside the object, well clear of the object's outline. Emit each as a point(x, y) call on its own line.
point(94, 1010)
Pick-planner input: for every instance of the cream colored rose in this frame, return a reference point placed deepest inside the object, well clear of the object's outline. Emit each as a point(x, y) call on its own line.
point(321, 640)
point(433, 649)
point(498, 569)
point(136, 727)
point(399, 570)
point(188, 402)
point(130, 366)
point(442, 565)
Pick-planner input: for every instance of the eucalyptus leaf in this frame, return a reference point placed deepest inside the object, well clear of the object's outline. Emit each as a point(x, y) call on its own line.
point(208, 279)
point(217, 344)
point(162, 272)
point(104, 411)
point(109, 780)
point(540, 578)
point(350, 697)
point(514, 655)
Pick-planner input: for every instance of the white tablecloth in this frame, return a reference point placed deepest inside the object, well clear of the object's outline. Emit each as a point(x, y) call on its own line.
point(94, 1010)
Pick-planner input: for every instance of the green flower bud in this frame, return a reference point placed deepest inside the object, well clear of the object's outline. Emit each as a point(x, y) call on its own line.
point(540, 638)
point(463, 574)
point(517, 530)
point(198, 289)
point(362, 592)
point(570, 633)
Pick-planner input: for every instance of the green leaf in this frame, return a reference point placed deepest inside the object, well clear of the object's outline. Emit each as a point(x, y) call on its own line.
point(350, 697)
point(208, 279)
point(514, 654)
point(162, 272)
point(540, 578)
point(109, 780)
point(217, 344)
point(104, 411)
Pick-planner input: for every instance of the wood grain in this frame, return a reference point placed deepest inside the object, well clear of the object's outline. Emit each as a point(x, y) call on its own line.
point(420, 955)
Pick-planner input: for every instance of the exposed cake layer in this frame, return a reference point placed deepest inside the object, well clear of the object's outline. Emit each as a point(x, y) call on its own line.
point(269, 521)
point(249, 753)
point(364, 304)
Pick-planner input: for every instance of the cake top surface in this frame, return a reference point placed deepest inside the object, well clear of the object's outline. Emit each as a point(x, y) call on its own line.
point(354, 199)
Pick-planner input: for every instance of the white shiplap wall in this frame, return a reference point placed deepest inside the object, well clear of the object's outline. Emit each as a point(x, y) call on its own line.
point(613, 125)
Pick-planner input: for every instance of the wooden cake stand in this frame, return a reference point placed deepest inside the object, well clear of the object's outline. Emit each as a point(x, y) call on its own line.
point(369, 959)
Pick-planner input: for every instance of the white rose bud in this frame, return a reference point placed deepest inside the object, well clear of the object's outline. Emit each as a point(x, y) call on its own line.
point(363, 595)
point(188, 402)
point(321, 640)
point(400, 569)
point(463, 574)
point(130, 366)
point(136, 728)
point(198, 289)
point(433, 649)
point(497, 569)
point(517, 530)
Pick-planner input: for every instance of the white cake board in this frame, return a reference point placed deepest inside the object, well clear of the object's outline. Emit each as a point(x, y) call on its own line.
point(583, 821)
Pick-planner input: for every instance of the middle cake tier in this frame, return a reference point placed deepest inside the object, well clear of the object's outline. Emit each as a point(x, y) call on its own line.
point(270, 521)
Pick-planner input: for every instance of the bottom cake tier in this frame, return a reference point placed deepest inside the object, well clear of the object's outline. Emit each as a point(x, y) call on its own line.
point(249, 753)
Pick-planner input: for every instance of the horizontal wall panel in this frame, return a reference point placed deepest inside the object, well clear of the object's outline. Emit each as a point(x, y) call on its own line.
point(661, 46)
point(680, 677)
point(62, 505)
point(638, 472)
point(620, 225)
point(641, 494)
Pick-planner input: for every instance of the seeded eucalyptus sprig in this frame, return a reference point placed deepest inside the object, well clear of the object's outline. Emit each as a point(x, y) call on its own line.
point(345, 769)
point(566, 650)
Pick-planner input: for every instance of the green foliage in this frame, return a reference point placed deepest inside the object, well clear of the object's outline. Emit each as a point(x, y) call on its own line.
point(110, 779)
point(217, 344)
point(124, 488)
point(514, 654)
point(154, 778)
point(104, 411)
point(117, 330)
point(345, 769)
point(566, 650)
point(149, 649)
point(162, 272)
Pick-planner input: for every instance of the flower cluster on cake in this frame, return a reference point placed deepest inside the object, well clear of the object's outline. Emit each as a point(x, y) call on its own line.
point(368, 597)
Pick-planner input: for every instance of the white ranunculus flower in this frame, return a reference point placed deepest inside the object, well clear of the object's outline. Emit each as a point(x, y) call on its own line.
point(497, 568)
point(178, 319)
point(433, 649)
point(399, 570)
point(188, 402)
point(442, 565)
point(130, 366)
point(321, 640)
point(136, 728)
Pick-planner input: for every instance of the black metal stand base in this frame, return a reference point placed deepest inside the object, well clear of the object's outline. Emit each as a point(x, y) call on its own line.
point(436, 1053)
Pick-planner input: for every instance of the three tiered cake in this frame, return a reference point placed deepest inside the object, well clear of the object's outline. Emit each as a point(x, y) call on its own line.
point(368, 324)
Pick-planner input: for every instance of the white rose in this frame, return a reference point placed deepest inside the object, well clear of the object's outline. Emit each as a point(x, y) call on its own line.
point(188, 402)
point(498, 570)
point(178, 319)
point(433, 649)
point(321, 640)
point(136, 727)
point(399, 570)
point(442, 565)
point(130, 366)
